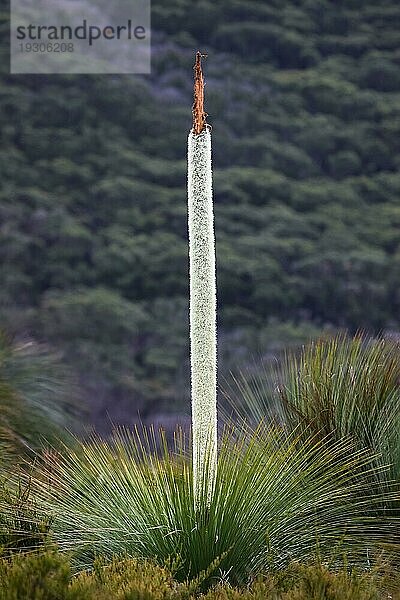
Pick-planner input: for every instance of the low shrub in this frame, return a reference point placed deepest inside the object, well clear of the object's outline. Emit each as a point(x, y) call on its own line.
point(48, 576)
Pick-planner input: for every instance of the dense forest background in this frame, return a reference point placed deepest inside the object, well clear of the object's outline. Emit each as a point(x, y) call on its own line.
point(304, 100)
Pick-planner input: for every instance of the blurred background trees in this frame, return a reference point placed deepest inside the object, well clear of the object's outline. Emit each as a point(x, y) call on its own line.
point(304, 98)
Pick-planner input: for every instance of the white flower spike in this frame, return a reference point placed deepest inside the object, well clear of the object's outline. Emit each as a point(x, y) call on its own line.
point(203, 332)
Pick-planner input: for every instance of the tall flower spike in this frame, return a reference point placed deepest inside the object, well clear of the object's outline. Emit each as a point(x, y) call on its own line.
point(203, 334)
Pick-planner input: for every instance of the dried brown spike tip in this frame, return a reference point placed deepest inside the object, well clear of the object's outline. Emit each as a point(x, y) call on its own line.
point(199, 116)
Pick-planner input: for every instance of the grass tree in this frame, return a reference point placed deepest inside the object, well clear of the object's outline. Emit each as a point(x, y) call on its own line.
point(335, 387)
point(348, 387)
point(276, 496)
point(203, 337)
point(277, 499)
point(36, 399)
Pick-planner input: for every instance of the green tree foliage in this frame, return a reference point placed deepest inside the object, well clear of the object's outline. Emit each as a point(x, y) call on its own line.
point(304, 102)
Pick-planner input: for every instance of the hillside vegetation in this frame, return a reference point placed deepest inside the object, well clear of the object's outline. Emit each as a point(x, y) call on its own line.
point(304, 99)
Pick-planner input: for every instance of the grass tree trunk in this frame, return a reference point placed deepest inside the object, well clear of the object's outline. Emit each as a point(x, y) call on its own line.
point(203, 338)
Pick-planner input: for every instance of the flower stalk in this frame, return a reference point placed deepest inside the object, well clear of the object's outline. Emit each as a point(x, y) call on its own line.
point(203, 334)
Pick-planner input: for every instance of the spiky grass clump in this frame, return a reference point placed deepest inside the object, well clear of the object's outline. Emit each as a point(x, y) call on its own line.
point(36, 402)
point(22, 525)
point(335, 388)
point(276, 499)
point(348, 387)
